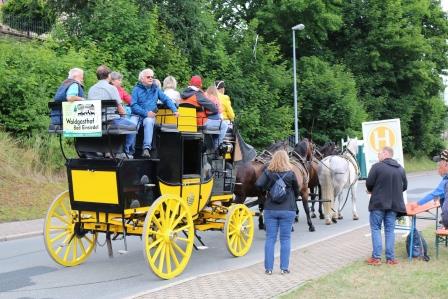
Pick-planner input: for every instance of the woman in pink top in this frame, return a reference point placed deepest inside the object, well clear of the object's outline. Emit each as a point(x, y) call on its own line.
point(116, 80)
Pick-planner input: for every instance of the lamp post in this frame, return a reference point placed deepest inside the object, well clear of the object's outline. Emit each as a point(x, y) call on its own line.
point(296, 120)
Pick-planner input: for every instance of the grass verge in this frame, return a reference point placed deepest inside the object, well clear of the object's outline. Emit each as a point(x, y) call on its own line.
point(417, 279)
point(27, 185)
point(414, 164)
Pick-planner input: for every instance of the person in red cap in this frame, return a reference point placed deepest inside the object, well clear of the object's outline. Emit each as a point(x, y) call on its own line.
point(194, 96)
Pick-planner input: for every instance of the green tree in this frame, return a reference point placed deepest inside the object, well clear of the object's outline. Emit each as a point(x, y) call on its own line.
point(320, 17)
point(259, 86)
point(396, 50)
point(328, 106)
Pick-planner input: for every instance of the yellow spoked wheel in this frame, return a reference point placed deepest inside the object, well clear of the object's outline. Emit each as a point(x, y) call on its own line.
point(168, 236)
point(239, 229)
point(65, 240)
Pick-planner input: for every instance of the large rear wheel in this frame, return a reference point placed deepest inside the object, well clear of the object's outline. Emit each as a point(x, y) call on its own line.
point(168, 236)
point(66, 241)
point(239, 229)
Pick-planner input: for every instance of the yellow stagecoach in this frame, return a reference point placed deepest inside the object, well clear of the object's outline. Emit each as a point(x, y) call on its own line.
point(184, 188)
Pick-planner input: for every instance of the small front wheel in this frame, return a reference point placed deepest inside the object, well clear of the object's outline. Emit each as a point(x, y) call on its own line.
point(65, 239)
point(239, 229)
point(168, 236)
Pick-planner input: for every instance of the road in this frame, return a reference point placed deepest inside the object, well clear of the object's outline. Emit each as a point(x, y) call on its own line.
point(27, 271)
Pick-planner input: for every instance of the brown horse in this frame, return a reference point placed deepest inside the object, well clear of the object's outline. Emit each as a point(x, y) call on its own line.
point(247, 175)
point(301, 159)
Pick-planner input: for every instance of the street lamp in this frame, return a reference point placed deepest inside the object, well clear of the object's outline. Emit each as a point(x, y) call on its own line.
point(296, 120)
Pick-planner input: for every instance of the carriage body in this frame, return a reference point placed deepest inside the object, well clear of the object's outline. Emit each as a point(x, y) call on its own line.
point(165, 199)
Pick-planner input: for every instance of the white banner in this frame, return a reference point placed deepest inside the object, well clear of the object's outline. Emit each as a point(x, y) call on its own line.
point(81, 119)
point(378, 134)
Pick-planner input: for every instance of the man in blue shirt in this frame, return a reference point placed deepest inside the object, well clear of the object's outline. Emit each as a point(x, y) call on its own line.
point(440, 191)
point(144, 107)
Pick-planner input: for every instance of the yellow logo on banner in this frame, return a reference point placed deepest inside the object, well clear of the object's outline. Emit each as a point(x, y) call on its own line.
point(380, 137)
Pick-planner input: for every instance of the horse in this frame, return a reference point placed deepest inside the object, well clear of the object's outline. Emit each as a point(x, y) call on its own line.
point(302, 166)
point(329, 148)
point(247, 175)
point(337, 173)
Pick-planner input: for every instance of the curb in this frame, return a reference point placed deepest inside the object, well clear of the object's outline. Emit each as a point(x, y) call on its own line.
point(20, 236)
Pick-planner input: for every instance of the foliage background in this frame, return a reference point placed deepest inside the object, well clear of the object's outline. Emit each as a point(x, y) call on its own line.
point(358, 60)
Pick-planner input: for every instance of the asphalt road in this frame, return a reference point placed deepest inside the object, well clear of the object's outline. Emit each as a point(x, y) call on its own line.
point(26, 270)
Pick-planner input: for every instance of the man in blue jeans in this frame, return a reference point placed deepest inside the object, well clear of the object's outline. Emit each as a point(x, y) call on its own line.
point(441, 191)
point(144, 107)
point(386, 183)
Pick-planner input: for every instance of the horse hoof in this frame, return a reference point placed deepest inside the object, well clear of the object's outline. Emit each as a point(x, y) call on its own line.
point(355, 218)
point(340, 217)
point(327, 222)
point(321, 217)
point(334, 220)
point(311, 229)
point(313, 215)
point(292, 228)
point(261, 226)
point(296, 219)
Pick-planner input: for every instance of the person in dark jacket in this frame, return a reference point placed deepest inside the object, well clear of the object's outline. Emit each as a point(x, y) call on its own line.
point(386, 183)
point(70, 90)
point(278, 216)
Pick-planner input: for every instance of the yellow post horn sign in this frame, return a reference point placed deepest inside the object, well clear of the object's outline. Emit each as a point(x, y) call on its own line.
point(380, 137)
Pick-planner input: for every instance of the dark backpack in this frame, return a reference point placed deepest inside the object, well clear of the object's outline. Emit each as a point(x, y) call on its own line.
point(420, 247)
point(278, 190)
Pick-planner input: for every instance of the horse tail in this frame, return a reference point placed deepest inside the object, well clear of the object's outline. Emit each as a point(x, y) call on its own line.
point(326, 183)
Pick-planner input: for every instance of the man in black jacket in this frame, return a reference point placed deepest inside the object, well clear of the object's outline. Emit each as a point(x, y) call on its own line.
point(386, 183)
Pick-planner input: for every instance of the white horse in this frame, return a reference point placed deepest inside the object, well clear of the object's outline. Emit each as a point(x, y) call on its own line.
point(336, 174)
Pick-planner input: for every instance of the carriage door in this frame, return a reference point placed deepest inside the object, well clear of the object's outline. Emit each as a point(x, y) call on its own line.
point(191, 171)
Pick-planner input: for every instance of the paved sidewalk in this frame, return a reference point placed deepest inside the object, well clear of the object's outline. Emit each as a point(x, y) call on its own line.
point(21, 229)
point(306, 264)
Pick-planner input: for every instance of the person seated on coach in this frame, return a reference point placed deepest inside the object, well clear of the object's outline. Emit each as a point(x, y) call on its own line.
point(116, 80)
point(194, 96)
point(227, 111)
point(215, 120)
point(103, 90)
point(441, 191)
point(144, 104)
point(70, 90)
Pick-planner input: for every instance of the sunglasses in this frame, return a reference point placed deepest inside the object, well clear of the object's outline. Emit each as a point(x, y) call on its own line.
point(149, 77)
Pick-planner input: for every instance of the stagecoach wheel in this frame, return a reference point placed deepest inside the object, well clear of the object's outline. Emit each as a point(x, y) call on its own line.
point(239, 229)
point(168, 236)
point(65, 240)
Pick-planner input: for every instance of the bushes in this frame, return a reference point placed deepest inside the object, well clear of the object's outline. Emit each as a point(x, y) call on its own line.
point(30, 75)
